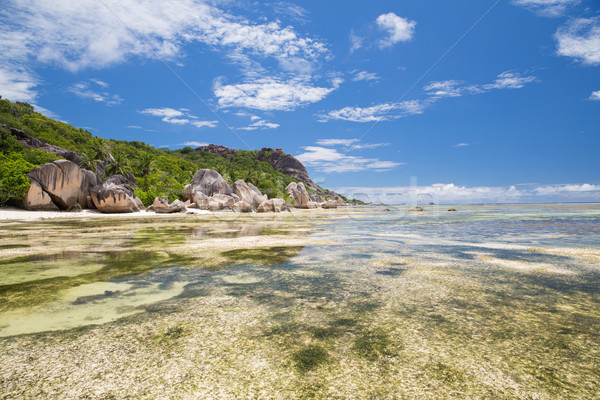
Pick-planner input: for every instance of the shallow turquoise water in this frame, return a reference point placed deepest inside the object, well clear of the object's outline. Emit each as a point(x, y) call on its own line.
point(485, 302)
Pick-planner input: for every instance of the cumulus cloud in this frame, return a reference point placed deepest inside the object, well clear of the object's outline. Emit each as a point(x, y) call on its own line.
point(434, 91)
point(398, 29)
point(194, 144)
point(365, 76)
point(92, 89)
point(271, 94)
point(329, 160)
point(580, 39)
point(449, 193)
point(561, 189)
point(547, 8)
point(80, 34)
point(178, 117)
point(595, 95)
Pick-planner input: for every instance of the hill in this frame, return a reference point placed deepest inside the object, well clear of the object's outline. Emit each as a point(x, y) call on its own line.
point(29, 139)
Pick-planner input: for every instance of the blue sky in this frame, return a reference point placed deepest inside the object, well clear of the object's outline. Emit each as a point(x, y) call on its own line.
point(466, 101)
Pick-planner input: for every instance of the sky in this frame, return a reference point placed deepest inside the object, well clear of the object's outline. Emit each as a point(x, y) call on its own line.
point(452, 101)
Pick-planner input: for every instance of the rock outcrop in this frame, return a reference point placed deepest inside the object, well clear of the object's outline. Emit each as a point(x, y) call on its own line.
point(242, 206)
point(115, 195)
point(301, 198)
point(209, 191)
point(64, 182)
point(248, 193)
point(208, 182)
point(34, 143)
point(38, 200)
point(287, 164)
point(274, 205)
point(220, 202)
point(162, 206)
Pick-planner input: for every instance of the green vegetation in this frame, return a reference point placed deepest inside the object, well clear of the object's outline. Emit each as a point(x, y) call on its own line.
point(310, 357)
point(158, 172)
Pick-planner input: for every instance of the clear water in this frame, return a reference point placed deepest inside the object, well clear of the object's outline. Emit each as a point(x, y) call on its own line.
point(485, 302)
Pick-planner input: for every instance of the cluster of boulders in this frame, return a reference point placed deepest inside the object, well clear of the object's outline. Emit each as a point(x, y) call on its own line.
point(63, 185)
point(302, 199)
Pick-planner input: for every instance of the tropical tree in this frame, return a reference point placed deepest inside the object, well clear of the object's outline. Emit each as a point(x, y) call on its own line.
point(145, 164)
point(119, 164)
point(100, 149)
point(89, 161)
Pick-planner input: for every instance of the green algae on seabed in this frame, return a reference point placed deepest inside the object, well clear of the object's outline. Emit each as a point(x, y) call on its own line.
point(424, 316)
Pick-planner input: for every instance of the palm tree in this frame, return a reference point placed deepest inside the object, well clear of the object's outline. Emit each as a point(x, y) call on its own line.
point(89, 161)
point(119, 164)
point(100, 149)
point(145, 164)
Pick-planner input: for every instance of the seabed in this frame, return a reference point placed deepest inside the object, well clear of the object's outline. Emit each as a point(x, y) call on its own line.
point(490, 302)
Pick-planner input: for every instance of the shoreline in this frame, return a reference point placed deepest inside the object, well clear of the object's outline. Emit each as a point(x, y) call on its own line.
point(18, 214)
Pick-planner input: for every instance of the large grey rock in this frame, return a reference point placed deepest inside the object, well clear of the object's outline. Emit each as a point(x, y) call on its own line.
point(115, 195)
point(248, 193)
point(162, 206)
point(242, 206)
point(220, 202)
point(208, 182)
point(317, 198)
point(329, 204)
point(38, 200)
point(65, 183)
point(275, 205)
point(298, 193)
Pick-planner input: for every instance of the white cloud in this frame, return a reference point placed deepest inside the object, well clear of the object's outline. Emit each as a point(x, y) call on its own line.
point(178, 117)
point(434, 90)
point(548, 8)
point(349, 144)
point(271, 94)
point(562, 189)
point(100, 83)
point(17, 84)
point(398, 29)
point(194, 144)
point(380, 112)
point(595, 95)
point(461, 144)
point(444, 89)
point(79, 34)
point(580, 39)
point(449, 193)
point(260, 124)
point(509, 80)
point(356, 42)
point(85, 90)
point(365, 76)
point(327, 160)
point(336, 142)
point(86, 33)
point(291, 10)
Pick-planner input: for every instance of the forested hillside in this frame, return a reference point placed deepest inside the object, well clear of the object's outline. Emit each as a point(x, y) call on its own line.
point(157, 172)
